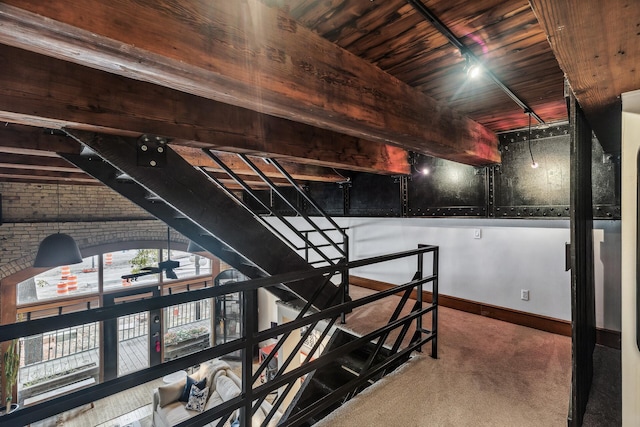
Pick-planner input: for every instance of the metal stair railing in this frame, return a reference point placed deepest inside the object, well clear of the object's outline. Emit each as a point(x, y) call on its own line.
point(341, 247)
point(369, 372)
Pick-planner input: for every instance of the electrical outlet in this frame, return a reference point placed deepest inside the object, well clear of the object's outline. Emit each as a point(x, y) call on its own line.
point(524, 294)
point(477, 233)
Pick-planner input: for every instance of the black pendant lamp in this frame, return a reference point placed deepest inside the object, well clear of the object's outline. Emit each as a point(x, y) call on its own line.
point(57, 249)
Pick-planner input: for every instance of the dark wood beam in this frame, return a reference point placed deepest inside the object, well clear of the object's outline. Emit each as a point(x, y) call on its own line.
point(40, 176)
point(44, 163)
point(21, 139)
point(252, 56)
point(26, 145)
point(599, 68)
point(83, 98)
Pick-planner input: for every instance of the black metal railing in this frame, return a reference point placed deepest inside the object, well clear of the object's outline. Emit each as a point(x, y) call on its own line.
point(332, 237)
point(186, 314)
point(132, 326)
point(320, 246)
point(411, 336)
point(59, 343)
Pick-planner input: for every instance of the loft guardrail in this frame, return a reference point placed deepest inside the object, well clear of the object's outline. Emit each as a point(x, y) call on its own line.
point(249, 341)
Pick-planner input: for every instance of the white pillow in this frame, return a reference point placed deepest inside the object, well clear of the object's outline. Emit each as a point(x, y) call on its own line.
point(226, 388)
point(171, 392)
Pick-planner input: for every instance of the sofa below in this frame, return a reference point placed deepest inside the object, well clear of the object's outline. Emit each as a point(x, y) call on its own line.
point(223, 385)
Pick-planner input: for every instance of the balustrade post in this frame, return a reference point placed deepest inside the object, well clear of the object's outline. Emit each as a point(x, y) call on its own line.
point(419, 275)
point(434, 312)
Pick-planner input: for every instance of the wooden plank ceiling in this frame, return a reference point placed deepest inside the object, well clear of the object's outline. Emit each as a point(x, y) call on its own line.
point(597, 44)
point(326, 87)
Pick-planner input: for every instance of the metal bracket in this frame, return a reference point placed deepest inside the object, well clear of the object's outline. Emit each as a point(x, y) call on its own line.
point(346, 199)
point(151, 151)
point(404, 196)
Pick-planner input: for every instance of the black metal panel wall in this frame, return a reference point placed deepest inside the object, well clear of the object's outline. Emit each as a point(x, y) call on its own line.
point(443, 188)
point(512, 189)
point(374, 195)
point(517, 184)
point(265, 198)
point(271, 199)
point(522, 191)
point(330, 196)
point(605, 175)
point(291, 196)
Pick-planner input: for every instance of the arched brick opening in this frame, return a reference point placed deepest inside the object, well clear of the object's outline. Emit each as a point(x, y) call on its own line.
point(92, 239)
point(118, 236)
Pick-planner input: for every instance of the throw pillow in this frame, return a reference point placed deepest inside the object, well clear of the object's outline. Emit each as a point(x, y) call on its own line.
point(170, 393)
point(197, 398)
point(187, 387)
point(227, 388)
point(210, 370)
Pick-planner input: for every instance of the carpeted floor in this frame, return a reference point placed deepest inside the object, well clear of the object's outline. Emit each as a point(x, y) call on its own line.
point(489, 373)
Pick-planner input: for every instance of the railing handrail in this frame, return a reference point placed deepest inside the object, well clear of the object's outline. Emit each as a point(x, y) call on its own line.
point(309, 200)
point(303, 236)
point(16, 330)
point(250, 191)
point(249, 341)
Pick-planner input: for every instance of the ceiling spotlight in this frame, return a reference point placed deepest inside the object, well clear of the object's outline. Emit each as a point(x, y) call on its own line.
point(472, 67)
point(424, 171)
point(474, 71)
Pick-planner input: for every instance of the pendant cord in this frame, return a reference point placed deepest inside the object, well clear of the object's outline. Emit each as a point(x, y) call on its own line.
point(533, 162)
point(58, 196)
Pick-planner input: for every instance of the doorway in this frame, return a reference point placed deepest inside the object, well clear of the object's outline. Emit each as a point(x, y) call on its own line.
point(131, 342)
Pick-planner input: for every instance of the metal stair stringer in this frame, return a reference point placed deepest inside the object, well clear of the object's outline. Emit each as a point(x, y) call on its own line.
point(191, 204)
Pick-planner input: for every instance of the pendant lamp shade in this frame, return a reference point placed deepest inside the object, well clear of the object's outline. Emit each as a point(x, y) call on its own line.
point(56, 250)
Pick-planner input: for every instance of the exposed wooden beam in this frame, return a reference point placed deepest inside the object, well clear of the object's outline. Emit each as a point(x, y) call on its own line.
point(20, 139)
point(249, 55)
point(196, 157)
point(596, 45)
point(28, 175)
point(45, 163)
point(84, 98)
point(26, 145)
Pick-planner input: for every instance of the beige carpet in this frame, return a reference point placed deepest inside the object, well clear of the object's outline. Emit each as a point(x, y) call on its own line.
point(489, 373)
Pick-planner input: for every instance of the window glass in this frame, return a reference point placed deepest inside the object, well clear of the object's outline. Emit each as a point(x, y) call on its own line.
point(187, 328)
point(121, 263)
point(60, 282)
point(58, 359)
point(190, 264)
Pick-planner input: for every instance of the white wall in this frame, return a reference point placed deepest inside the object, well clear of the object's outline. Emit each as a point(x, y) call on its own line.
point(511, 255)
point(630, 353)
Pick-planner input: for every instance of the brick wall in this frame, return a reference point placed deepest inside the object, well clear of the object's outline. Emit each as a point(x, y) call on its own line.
point(23, 202)
point(93, 215)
